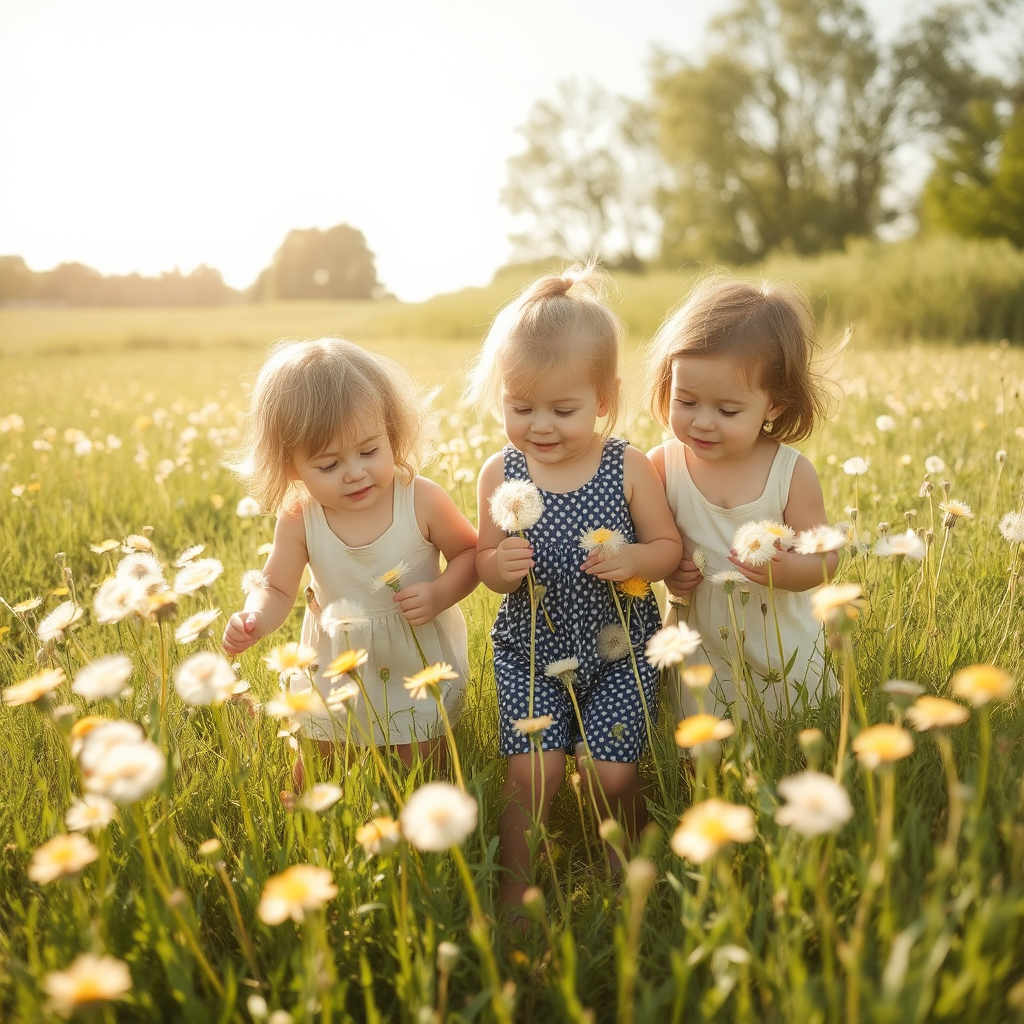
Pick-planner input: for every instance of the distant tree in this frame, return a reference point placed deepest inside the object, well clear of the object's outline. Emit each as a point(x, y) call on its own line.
point(784, 135)
point(315, 264)
point(17, 282)
point(585, 183)
point(977, 185)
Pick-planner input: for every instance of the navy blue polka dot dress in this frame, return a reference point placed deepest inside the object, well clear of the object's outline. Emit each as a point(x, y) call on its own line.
point(580, 607)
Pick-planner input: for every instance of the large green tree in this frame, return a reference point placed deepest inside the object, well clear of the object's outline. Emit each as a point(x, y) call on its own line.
point(783, 136)
point(977, 185)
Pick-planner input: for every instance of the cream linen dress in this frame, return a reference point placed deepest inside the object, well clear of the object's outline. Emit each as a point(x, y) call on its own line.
point(343, 573)
point(711, 528)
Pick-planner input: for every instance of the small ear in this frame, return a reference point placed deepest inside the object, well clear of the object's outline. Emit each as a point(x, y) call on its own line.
point(602, 405)
point(775, 412)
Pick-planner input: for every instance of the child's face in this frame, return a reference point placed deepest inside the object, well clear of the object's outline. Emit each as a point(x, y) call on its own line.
point(355, 470)
point(715, 412)
point(554, 422)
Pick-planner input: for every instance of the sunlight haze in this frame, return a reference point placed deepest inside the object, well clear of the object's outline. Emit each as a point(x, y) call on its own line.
point(140, 137)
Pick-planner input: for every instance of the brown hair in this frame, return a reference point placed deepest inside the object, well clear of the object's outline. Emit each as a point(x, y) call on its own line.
point(767, 329)
point(307, 394)
point(560, 321)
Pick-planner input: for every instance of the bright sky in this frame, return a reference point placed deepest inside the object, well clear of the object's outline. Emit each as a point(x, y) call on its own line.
point(147, 135)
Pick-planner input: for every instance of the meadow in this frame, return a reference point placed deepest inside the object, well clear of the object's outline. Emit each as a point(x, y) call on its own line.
point(112, 428)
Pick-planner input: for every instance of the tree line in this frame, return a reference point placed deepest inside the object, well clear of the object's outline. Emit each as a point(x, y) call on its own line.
point(310, 264)
point(791, 132)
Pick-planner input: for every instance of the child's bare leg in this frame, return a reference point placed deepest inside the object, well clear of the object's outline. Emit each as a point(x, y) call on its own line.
point(433, 753)
point(533, 779)
point(326, 750)
point(617, 787)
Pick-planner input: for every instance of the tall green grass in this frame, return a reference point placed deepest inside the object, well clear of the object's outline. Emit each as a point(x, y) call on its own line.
point(775, 929)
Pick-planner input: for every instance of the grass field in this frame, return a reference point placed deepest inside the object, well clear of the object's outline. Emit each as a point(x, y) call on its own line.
point(912, 910)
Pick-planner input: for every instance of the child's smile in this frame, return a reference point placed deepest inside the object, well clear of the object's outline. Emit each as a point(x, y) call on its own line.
point(554, 421)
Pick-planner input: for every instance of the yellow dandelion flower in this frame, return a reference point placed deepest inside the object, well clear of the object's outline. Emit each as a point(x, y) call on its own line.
point(420, 685)
point(936, 713)
point(63, 855)
point(290, 657)
point(530, 726)
point(636, 587)
point(89, 980)
point(981, 684)
point(882, 744)
point(30, 690)
point(379, 836)
point(697, 730)
point(709, 826)
point(293, 892)
point(347, 661)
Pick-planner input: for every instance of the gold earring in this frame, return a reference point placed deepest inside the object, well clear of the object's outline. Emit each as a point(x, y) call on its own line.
point(767, 426)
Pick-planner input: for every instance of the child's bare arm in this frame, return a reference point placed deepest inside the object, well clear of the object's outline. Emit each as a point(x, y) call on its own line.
point(453, 535)
point(266, 609)
point(686, 576)
point(501, 561)
point(658, 550)
point(805, 509)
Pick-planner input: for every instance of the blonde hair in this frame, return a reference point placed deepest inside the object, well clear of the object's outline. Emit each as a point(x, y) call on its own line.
point(560, 321)
point(767, 330)
point(307, 394)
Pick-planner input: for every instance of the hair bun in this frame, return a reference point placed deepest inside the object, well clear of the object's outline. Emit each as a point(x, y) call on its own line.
point(587, 279)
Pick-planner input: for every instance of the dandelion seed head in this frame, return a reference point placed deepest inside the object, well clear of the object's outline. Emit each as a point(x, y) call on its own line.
point(438, 816)
point(516, 506)
point(815, 804)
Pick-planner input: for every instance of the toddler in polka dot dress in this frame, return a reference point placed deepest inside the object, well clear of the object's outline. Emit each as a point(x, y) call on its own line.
point(566, 511)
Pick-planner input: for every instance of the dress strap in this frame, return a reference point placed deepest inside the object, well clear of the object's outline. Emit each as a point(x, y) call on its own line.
point(515, 463)
point(781, 474)
point(405, 502)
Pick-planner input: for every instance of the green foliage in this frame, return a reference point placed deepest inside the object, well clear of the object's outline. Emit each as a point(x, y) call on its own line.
point(977, 187)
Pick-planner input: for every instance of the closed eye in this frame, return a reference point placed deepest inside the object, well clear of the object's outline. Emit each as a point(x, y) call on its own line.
point(729, 412)
point(372, 451)
point(328, 468)
point(564, 412)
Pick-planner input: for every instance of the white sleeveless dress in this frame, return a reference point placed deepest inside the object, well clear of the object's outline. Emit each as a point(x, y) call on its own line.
point(343, 573)
point(710, 527)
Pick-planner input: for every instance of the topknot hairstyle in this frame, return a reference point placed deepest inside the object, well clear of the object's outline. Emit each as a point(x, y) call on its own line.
point(767, 330)
point(310, 393)
point(560, 321)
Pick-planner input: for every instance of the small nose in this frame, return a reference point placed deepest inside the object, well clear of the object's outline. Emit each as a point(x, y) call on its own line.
point(702, 418)
point(352, 471)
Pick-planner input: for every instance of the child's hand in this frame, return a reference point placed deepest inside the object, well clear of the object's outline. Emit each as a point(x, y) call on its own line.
point(685, 579)
point(241, 632)
point(759, 573)
point(419, 603)
point(513, 558)
point(621, 566)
